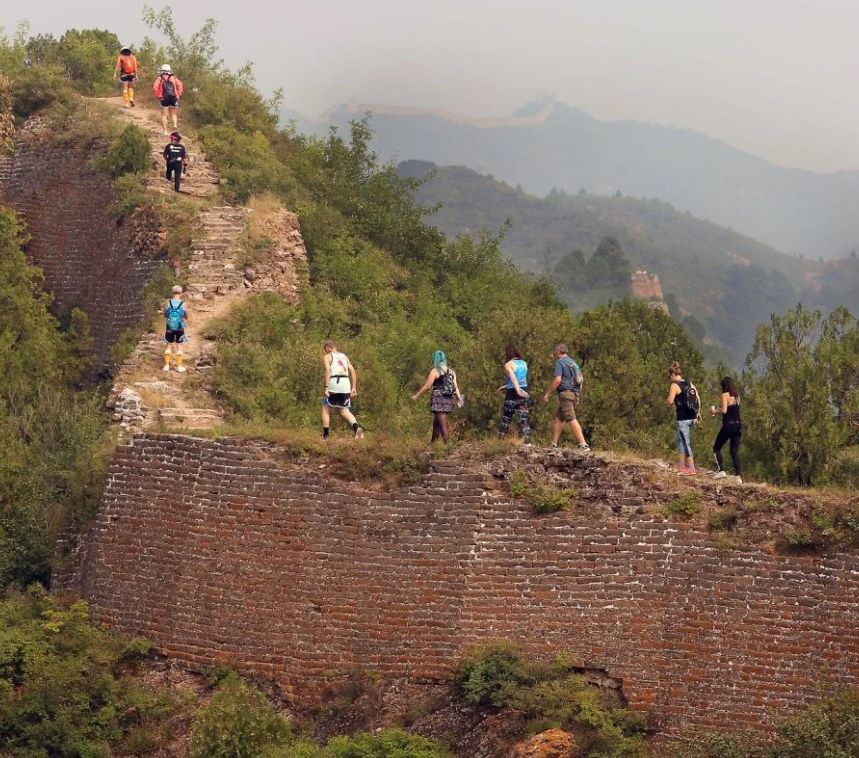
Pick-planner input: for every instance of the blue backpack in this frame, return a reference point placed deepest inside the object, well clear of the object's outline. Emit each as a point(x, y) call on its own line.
point(175, 314)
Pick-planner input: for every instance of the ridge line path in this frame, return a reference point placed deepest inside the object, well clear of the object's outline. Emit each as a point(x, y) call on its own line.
point(144, 396)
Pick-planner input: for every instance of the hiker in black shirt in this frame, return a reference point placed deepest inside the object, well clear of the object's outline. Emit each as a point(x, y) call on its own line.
point(174, 154)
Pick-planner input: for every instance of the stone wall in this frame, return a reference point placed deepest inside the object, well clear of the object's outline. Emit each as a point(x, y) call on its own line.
point(217, 551)
point(90, 260)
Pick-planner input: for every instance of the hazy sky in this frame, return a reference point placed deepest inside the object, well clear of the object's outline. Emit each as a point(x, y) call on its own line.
point(779, 78)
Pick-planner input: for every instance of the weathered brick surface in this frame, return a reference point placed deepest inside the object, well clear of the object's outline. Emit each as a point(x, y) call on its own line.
point(217, 552)
point(89, 260)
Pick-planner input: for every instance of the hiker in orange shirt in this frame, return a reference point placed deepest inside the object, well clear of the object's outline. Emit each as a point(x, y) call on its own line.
point(167, 89)
point(126, 71)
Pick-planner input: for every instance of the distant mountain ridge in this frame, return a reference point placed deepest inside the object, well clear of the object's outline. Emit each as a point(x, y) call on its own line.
point(548, 144)
point(728, 281)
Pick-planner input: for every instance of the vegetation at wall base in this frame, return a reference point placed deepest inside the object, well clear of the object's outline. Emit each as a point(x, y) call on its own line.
point(828, 728)
point(68, 688)
point(51, 430)
point(554, 695)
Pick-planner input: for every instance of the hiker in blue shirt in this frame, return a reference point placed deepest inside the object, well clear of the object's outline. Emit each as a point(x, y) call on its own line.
point(174, 335)
point(517, 401)
point(568, 384)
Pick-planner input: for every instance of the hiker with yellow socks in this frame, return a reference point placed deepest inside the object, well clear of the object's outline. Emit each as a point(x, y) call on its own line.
point(174, 336)
point(126, 70)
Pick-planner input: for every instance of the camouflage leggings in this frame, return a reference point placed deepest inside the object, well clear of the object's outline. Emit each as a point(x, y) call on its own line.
point(521, 407)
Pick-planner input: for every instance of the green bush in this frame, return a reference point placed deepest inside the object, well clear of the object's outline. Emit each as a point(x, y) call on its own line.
point(388, 743)
point(723, 520)
point(130, 153)
point(684, 505)
point(550, 696)
point(489, 675)
point(543, 498)
point(64, 689)
point(238, 722)
point(35, 89)
point(828, 728)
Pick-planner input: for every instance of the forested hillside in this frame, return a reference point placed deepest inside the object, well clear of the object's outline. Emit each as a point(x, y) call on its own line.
point(727, 281)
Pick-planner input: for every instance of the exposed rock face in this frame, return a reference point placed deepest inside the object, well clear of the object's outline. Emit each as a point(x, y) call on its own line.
point(645, 286)
point(553, 743)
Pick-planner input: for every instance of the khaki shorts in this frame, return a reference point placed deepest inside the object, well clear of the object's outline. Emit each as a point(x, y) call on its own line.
point(567, 402)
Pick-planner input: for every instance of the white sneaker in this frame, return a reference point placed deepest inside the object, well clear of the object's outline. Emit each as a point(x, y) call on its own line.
point(181, 369)
point(166, 368)
point(739, 480)
point(585, 448)
point(719, 475)
point(359, 433)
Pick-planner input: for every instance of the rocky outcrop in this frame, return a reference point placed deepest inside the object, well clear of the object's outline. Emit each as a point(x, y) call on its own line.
point(553, 743)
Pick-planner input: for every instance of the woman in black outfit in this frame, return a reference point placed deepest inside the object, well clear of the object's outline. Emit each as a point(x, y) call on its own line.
point(445, 394)
point(732, 428)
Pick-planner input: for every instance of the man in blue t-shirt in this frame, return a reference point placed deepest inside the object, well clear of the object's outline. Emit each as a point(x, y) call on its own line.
point(568, 384)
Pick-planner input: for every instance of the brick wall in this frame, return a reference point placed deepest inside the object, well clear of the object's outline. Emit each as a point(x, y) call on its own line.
point(216, 551)
point(88, 259)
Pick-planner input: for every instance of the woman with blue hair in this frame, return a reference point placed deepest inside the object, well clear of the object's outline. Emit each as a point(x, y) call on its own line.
point(445, 394)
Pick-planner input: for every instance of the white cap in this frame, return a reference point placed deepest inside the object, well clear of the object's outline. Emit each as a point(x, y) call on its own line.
point(165, 69)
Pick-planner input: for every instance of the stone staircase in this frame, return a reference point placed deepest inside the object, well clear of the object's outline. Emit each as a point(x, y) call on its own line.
point(143, 396)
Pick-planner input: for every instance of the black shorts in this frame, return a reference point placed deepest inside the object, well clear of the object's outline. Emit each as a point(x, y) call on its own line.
point(128, 78)
point(169, 102)
point(338, 400)
point(176, 336)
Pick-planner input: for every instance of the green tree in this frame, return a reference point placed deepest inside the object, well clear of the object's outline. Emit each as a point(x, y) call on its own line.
point(801, 390)
point(625, 350)
point(608, 266)
point(238, 722)
point(570, 272)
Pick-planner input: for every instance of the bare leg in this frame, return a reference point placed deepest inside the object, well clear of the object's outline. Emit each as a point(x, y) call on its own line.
point(164, 120)
point(576, 429)
point(175, 113)
point(557, 428)
point(347, 414)
point(326, 417)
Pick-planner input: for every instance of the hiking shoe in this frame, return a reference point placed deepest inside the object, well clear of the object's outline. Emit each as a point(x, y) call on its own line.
point(181, 369)
point(739, 480)
point(719, 475)
point(554, 445)
point(165, 368)
point(359, 433)
point(584, 448)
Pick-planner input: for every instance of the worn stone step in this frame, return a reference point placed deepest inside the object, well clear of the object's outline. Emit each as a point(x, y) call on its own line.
point(191, 418)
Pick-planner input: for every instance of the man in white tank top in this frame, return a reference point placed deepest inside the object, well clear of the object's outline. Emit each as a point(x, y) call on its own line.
point(341, 385)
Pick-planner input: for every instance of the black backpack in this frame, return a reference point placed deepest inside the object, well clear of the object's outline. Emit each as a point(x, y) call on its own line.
point(168, 88)
point(448, 387)
point(690, 399)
